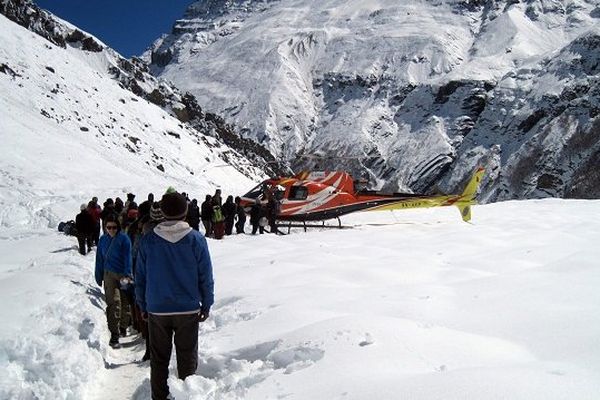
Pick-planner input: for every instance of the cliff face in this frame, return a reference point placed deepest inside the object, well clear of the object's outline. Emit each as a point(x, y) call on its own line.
point(414, 95)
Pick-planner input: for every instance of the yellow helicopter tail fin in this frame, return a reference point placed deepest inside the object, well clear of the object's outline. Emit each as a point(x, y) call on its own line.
point(468, 196)
point(465, 212)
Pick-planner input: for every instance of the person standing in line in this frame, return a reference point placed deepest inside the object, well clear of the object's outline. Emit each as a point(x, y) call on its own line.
point(229, 214)
point(175, 290)
point(193, 216)
point(84, 224)
point(109, 208)
point(144, 208)
point(216, 199)
point(156, 218)
point(113, 263)
point(130, 202)
point(241, 215)
point(119, 206)
point(95, 211)
point(206, 214)
point(256, 214)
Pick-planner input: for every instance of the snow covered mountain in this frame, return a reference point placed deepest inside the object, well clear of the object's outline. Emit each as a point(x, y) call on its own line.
point(112, 115)
point(415, 93)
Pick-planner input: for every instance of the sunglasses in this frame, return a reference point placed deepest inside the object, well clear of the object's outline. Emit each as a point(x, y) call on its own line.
point(111, 227)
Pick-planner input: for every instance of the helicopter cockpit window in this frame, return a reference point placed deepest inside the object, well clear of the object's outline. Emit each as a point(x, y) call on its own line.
point(298, 193)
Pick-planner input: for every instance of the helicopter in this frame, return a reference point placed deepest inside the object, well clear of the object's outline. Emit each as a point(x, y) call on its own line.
point(324, 195)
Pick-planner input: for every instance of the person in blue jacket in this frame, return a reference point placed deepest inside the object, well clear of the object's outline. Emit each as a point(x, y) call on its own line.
point(175, 290)
point(113, 263)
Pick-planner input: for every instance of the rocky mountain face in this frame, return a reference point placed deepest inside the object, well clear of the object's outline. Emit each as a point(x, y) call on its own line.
point(245, 155)
point(413, 94)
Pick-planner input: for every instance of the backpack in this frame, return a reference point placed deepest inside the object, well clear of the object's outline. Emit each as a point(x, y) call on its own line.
point(68, 228)
point(217, 215)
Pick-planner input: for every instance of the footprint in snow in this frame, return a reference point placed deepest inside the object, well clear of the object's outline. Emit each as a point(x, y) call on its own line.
point(225, 312)
point(368, 340)
point(248, 366)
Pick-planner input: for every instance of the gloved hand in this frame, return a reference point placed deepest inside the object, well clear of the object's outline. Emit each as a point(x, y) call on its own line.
point(144, 316)
point(203, 315)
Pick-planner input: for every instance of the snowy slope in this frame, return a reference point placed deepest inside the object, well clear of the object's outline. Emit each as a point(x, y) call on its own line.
point(419, 91)
point(61, 108)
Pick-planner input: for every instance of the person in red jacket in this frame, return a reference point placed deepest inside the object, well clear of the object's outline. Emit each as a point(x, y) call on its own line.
point(95, 211)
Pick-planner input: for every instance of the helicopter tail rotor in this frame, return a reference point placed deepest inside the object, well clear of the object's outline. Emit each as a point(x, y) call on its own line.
point(468, 196)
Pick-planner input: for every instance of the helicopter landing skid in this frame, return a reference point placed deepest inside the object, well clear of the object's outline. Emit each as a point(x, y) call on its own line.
point(303, 224)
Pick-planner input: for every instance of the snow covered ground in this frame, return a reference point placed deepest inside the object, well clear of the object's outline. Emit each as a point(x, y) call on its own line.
point(405, 305)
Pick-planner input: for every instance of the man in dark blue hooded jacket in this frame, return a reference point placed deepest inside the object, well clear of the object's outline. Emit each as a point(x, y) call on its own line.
point(175, 290)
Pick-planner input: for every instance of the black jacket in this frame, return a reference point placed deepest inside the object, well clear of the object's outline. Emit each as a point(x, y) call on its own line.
point(256, 212)
point(84, 223)
point(229, 210)
point(193, 215)
point(206, 211)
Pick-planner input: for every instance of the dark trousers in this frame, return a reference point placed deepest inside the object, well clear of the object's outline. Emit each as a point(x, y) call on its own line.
point(228, 225)
point(239, 225)
point(96, 234)
point(163, 330)
point(207, 227)
point(84, 240)
point(257, 227)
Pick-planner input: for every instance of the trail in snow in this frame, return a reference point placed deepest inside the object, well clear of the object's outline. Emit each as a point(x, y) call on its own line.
point(124, 374)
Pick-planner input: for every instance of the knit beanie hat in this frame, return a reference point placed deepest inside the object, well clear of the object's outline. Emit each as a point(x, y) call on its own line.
point(173, 206)
point(82, 207)
point(155, 212)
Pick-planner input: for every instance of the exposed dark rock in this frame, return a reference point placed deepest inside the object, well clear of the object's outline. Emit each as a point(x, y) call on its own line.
point(161, 59)
point(182, 114)
point(475, 104)
point(447, 90)
point(75, 36)
point(157, 98)
point(136, 89)
point(193, 110)
point(547, 181)
point(89, 44)
point(30, 16)
point(531, 120)
point(586, 182)
point(5, 69)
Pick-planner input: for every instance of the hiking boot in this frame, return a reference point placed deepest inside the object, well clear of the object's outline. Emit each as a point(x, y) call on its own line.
point(123, 332)
point(114, 341)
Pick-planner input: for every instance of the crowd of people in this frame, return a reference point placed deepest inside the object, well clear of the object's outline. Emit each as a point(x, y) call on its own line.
point(218, 219)
point(139, 260)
